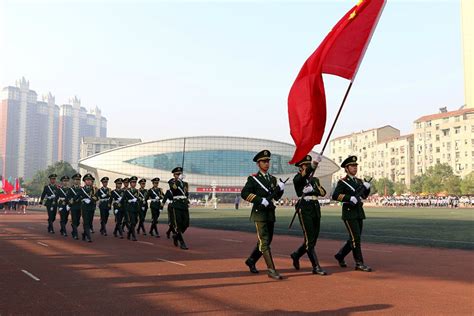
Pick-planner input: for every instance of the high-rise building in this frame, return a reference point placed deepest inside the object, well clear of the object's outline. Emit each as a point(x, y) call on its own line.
point(35, 134)
point(445, 137)
point(94, 145)
point(467, 15)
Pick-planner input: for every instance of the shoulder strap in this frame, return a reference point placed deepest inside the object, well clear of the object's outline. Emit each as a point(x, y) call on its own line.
point(261, 184)
point(350, 186)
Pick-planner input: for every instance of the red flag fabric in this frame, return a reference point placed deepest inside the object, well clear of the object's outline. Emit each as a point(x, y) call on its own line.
point(17, 185)
point(339, 54)
point(7, 186)
point(9, 197)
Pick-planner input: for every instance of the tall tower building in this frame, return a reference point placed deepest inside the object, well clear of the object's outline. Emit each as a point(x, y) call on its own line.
point(467, 12)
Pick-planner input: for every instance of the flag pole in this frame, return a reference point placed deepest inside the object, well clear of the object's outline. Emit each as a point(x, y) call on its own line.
point(184, 150)
point(337, 117)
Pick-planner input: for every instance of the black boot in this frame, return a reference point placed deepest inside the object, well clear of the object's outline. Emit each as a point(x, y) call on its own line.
point(83, 236)
point(182, 243)
point(134, 238)
point(360, 266)
point(88, 235)
point(342, 254)
point(295, 256)
point(251, 264)
point(168, 232)
point(315, 263)
point(175, 240)
point(272, 272)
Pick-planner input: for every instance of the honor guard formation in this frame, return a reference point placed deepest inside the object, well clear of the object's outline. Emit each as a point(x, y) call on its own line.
point(130, 204)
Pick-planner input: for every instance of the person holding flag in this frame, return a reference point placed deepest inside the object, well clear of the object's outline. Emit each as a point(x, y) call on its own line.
point(49, 199)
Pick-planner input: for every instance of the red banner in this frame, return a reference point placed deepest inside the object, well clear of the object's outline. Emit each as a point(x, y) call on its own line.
point(8, 197)
point(219, 190)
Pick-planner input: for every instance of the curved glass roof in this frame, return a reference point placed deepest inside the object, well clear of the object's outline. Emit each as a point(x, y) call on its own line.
point(213, 162)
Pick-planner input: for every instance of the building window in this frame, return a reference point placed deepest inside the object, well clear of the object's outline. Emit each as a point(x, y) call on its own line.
point(457, 130)
point(428, 123)
point(437, 137)
point(445, 132)
point(437, 149)
point(437, 126)
point(456, 118)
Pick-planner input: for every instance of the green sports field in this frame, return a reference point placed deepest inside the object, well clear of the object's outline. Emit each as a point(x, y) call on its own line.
point(429, 227)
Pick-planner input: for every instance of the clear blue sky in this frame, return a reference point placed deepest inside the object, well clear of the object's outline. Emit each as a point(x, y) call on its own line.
point(165, 69)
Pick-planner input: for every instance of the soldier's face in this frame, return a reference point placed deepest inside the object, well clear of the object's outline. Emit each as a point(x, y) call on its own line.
point(118, 185)
point(155, 184)
point(52, 180)
point(176, 175)
point(125, 184)
point(142, 185)
point(133, 184)
point(77, 182)
point(88, 182)
point(352, 170)
point(264, 165)
point(65, 183)
point(105, 183)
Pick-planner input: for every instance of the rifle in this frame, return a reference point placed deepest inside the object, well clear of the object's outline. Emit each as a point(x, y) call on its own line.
point(271, 195)
point(360, 191)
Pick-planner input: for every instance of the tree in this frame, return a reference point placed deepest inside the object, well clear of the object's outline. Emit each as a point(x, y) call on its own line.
point(417, 184)
point(383, 186)
point(467, 184)
point(40, 179)
point(399, 187)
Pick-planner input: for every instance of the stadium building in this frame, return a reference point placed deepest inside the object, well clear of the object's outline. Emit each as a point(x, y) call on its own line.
point(209, 161)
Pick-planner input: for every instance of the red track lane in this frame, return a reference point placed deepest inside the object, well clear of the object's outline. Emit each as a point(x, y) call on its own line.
point(115, 277)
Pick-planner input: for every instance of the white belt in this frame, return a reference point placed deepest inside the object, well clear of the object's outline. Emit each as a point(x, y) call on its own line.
point(61, 199)
point(310, 198)
point(103, 200)
point(179, 197)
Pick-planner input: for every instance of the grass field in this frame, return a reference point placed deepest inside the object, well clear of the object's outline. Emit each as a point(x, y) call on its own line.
point(445, 228)
point(428, 227)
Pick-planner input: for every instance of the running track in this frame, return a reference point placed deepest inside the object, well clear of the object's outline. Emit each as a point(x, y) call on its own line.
point(43, 274)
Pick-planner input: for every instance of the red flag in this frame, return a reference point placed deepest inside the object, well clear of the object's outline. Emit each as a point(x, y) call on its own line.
point(7, 187)
point(17, 185)
point(339, 54)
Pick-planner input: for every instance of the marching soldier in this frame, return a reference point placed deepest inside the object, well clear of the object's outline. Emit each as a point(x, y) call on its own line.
point(75, 203)
point(169, 197)
point(262, 189)
point(155, 194)
point(115, 201)
point(350, 191)
point(49, 199)
point(63, 204)
point(143, 202)
point(126, 222)
point(88, 198)
point(131, 205)
point(180, 205)
point(308, 188)
point(103, 196)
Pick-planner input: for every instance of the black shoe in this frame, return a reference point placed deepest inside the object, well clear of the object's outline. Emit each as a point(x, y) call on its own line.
point(183, 246)
point(115, 234)
point(133, 238)
point(105, 233)
point(151, 233)
point(296, 261)
point(75, 237)
point(319, 270)
point(83, 237)
point(157, 236)
point(121, 237)
point(251, 266)
point(175, 240)
point(168, 234)
point(273, 274)
point(362, 267)
point(341, 262)
point(65, 234)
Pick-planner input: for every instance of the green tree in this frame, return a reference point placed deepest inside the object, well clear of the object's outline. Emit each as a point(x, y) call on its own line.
point(40, 179)
point(417, 184)
point(467, 184)
point(399, 187)
point(382, 186)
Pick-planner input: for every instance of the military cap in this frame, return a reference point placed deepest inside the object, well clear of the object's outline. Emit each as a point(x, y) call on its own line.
point(142, 181)
point(263, 155)
point(303, 161)
point(104, 179)
point(88, 176)
point(53, 176)
point(351, 160)
point(118, 180)
point(177, 169)
point(64, 178)
point(155, 180)
point(133, 179)
point(126, 180)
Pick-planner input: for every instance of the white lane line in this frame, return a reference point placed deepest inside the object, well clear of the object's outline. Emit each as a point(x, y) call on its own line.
point(232, 240)
point(29, 227)
point(377, 250)
point(146, 243)
point(172, 262)
point(42, 244)
point(30, 275)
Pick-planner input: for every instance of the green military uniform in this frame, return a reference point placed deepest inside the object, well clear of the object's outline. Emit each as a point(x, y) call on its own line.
point(88, 198)
point(63, 205)
point(169, 197)
point(143, 202)
point(115, 202)
point(261, 189)
point(103, 196)
point(125, 222)
point(75, 204)
point(179, 190)
point(308, 188)
point(350, 191)
point(49, 198)
point(155, 195)
point(131, 206)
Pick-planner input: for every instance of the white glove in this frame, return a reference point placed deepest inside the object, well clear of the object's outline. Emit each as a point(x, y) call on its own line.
point(182, 176)
point(132, 200)
point(160, 210)
point(115, 211)
point(52, 196)
point(68, 208)
point(281, 185)
point(87, 201)
point(265, 202)
point(119, 199)
point(104, 195)
point(318, 158)
point(143, 208)
point(367, 185)
point(354, 200)
point(308, 189)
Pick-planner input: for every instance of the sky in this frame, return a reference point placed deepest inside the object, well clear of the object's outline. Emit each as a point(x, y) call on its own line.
point(162, 69)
